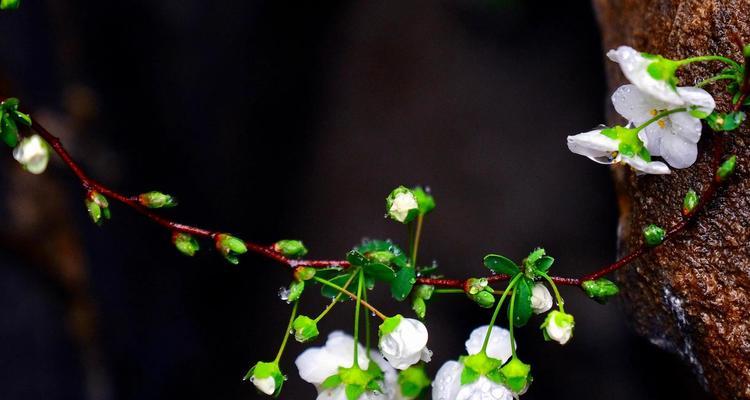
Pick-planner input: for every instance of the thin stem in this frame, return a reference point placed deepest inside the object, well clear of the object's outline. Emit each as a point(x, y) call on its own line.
point(350, 294)
point(367, 327)
point(415, 242)
point(510, 324)
point(713, 79)
point(497, 310)
point(726, 60)
point(356, 318)
point(335, 300)
point(560, 301)
point(287, 332)
point(659, 116)
point(448, 291)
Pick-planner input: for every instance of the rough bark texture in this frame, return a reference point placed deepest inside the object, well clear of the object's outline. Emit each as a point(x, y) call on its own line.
point(691, 295)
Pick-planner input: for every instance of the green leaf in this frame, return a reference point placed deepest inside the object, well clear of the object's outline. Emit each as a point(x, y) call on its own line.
point(295, 290)
point(379, 272)
point(331, 382)
point(425, 200)
point(522, 304)
point(725, 121)
point(500, 264)
point(10, 4)
point(469, 376)
point(402, 284)
point(22, 118)
point(543, 264)
point(354, 391)
point(356, 258)
point(419, 306)
point(339, 281)
point(9, 131)
point(371, 246)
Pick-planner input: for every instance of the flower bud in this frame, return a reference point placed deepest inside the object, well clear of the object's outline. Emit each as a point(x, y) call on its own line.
point(478, 290)
point(157, 200)
point(185, 243)
point(558, 326)
point(33, 154)
point(295, 291)
point(516, 375)
point(654, 235)
point(10, 4)
point(403, 341)
point(726, 169)
point(290, 248)
point(305, 329)
point(97, 206)
point(402, 205)
point(600, 290)
point(267, 377)
point(230, 246)
point(541, 299)
point(304, 273)
point(690, 202)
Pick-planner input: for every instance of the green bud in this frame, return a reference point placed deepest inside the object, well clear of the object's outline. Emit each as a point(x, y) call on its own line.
point(475, 285)
point(185, 243)
point(10, 4)
point(654, 235)
point(401, 205)
point(305, 329)
point(157, 200)
point(98, 207)
point(304, 273)
point(746, 51)
point(725, 121)
point(600, 290)
point(295, 291)
point(478, 290)
point(424, 291)
point(8, 130)
point(413, 381)
point(382, 257)
point(419, 306)
point(516, 375)
point(230, 246)
point(290, 248)
point(690, 202)
point(267, 377)
point(726, 168)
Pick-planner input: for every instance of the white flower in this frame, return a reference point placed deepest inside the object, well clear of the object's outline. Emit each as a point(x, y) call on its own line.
point(673, 137)
point(33, 154)
point(403, 341)
point(402, 205)
point(447, 383)
point(498, 346)
point(447, 386)
point(635, 67)
point(558, 326)
point(541, 299)
point(265, 385)
point(605, 150)
point(316, 364)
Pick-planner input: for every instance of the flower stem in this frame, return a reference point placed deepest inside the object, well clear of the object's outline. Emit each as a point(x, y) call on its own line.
point(511, 284)
point(286, 333)
point(350, 294)
point(560, 301)
point(335, 300)
point(360, 281)
point(367, 328)
point(415, 241)
point(714, 79)
point(709, 58)
point(449, 291)
point(658, 117)
point(510, 323)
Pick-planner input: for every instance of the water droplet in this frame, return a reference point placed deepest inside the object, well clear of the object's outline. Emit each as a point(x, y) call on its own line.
point(284, 293)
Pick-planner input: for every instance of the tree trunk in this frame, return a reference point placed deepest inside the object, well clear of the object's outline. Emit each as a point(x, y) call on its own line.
point(691, 295)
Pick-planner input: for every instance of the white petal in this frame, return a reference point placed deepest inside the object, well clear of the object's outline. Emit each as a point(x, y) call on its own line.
point(686, 126)
point(498, 346)
point(447, 381)
point(679, 153)
point(484, 389)
point(541, 299)
point(651, 137)
point(697, 97)
point(337, 393)
point(315, 365)
point(593, 145)
point(33, 154)
point(653, 167)
point(265, 385)
point(634, 65)
point(405, 345)
point(636, 106)
point(390, 386)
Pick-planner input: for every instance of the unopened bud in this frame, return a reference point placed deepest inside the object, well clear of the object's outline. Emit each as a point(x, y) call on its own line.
point(654, 235)
point(305, 329)
point(600, 290)
point(185, 243)
point(230, 246)
point(304, 273)
point(98, 207)
point(690, 202)
point(726, 168)
point(157, 200)
point(290, 248)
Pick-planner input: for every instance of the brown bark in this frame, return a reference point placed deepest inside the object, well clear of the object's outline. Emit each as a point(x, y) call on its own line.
point(690, 296)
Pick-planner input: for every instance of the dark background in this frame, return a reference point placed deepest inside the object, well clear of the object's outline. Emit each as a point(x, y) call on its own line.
point(280, 120)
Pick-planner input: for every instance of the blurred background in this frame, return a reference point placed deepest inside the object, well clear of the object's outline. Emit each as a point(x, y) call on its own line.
point(277, 120)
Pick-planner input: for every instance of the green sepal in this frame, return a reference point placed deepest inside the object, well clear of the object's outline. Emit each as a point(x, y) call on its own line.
point(10, 4)
point(263, 370)
point(522, 310)
point(331, 382)
point(609, 132)
point(698, 113)
point(295, 290)
point(401, 286)
point(516, 375)
point(304, 273)
point(22, 118)
point(654, 235)
point(390, 324)
point(185, 243)
point(411, 214)
point(9, 131)
point(601, 290)
point(501, 264)
point(290, 248)
point(425, 201)
point(481, 363)
point(726, 168)
point(469, 376)
point(155, 199)
point(305, 329)
point(413, 381)
point(354, 391)
point(230, 247)
point(663, 69)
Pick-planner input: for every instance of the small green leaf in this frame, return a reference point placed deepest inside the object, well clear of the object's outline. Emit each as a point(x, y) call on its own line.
point(156, 199)
point(356, 258)
point(339, 281)
point(295, 291)
point(522, 304)
point(403, 283)
point(419, 306)
point(424, 199)
point(9, 131)
point(500, 264)
point(725, 121)
point(543, 264)
point(726, 168)
point(375, 246)
point(379, 272)
point(22, 118)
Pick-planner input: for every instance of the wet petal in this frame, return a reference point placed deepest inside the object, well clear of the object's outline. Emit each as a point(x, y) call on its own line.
point(697, 97)
point(679, 153)
point(498, 346)
point(636, 106)
point(634, 65)
point(686, 126)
